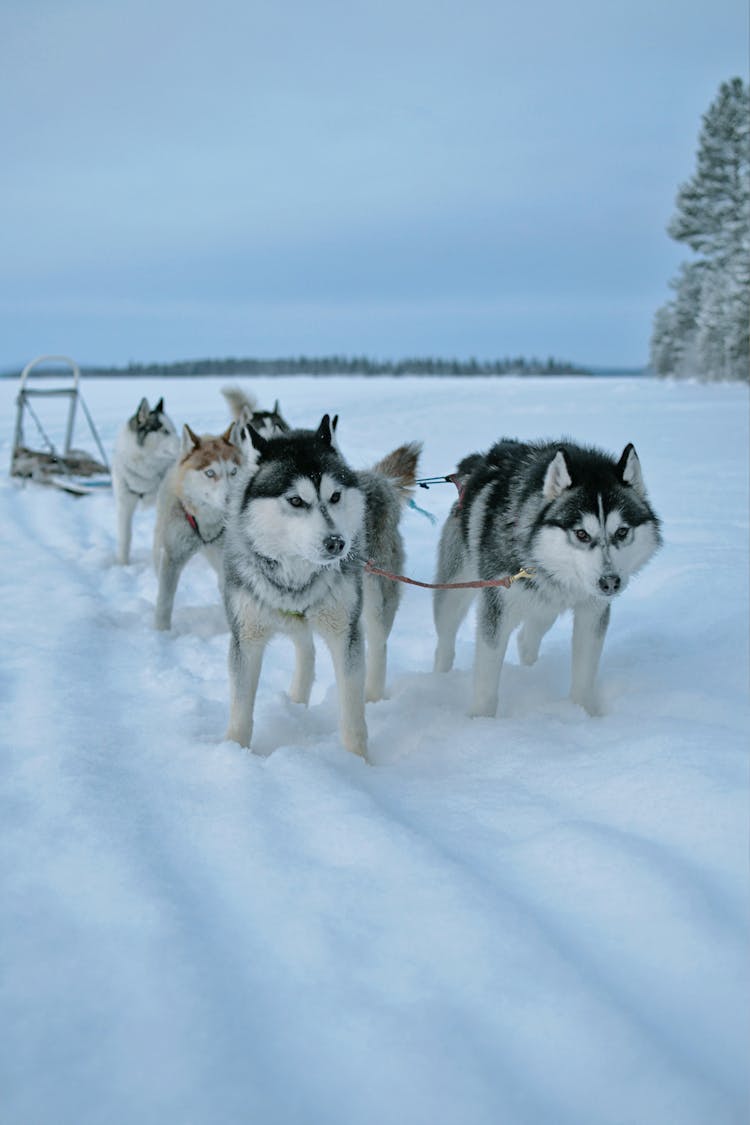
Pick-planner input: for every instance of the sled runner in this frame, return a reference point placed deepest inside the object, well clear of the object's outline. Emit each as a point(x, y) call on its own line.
point(73, 470)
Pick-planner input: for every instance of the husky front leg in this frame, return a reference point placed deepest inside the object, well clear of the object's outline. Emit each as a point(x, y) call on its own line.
point(126, 505)
point(493, 632)
point(245, 660)
point(590, 621)
point(348, 654)
point(449, 607)
point(377, 658)
point(170, 569)
point(381, 597)
point(304, 667)
point(536, 624)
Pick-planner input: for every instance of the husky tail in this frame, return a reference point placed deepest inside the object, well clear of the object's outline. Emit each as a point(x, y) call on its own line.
point(241, 404)
point(400, 467)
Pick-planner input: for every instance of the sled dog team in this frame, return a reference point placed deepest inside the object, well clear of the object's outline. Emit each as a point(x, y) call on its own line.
point(289, 526)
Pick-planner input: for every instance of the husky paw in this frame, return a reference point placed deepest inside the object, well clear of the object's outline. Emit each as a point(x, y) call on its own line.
point(355, 742)
point(528, 647)
point(374, 693)
point(241, 738)
point(443, 661)
point(591, 704)
point(483, 709)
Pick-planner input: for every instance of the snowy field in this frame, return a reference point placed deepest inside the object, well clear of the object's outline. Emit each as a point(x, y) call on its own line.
point(539, 919)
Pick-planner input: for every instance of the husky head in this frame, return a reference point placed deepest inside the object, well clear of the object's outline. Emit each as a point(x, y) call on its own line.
point(266, 424)
point(153, 432)
point(596, 527)
point(244, 409)
point(302, 501)
point(207, 467)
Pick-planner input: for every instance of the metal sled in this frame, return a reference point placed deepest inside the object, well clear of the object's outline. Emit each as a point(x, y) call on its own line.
point(72, 469)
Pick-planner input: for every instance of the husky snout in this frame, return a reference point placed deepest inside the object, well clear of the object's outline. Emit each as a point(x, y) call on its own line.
point(333, 545)
point(609, 584)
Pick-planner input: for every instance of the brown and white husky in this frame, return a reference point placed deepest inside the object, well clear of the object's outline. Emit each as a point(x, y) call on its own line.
point(190, 511)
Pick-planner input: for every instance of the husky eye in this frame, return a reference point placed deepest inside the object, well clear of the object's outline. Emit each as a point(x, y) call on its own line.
point(582, 536)
point(233, 471)
point(210, 473)
point(296, 501)
point(622, 533)
point(334, 498)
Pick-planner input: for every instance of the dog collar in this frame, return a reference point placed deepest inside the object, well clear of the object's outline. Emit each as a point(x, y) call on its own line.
point(194, 524)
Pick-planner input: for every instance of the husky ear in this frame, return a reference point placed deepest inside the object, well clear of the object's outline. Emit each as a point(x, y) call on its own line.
point(190, 441)
point(557, 477)
point(243, 440)
point(142, 412)
point(276, 408)
point(236, 431)
point(159, 408)
point(324, 430)
point(258, 441)
point(629, 470)
point(227, 435)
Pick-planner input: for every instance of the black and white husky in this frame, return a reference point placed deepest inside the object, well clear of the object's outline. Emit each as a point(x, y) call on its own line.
point(300, 525)
point(575, 515)
point(146, 447)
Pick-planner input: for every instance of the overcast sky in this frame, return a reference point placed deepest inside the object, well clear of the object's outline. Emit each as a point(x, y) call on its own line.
point(265, 177)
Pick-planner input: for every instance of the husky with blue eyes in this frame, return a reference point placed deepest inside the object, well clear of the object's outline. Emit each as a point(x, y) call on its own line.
point(301, 523)
point(146, 447)
point(576, 516)
point(191, 510)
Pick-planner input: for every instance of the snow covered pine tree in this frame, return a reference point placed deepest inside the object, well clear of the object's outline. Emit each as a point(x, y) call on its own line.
point(705, 329)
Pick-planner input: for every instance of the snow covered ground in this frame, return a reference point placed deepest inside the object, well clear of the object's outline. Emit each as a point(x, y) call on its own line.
point(536, 919)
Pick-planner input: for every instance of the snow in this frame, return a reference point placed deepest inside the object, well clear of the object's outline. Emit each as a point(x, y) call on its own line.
point(541, 918)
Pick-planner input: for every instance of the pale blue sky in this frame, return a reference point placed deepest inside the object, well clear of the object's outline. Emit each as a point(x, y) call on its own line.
point(263, 177)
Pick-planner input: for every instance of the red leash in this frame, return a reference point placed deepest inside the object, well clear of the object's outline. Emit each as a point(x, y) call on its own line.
point(508, 581)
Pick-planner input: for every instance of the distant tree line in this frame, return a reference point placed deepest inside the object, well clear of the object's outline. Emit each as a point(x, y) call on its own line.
point(705, 329)
point(344, 365)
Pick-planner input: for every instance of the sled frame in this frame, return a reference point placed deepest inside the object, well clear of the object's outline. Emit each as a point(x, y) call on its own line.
point(69, 469)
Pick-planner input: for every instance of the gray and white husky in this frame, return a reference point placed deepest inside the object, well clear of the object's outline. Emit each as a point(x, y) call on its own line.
point(190, 511)
point(575, 515)
point(300, 525)
point(244, 408)
point(146, 447)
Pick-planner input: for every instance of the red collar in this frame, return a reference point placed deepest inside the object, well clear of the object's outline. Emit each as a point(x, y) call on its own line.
point(194, 524)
